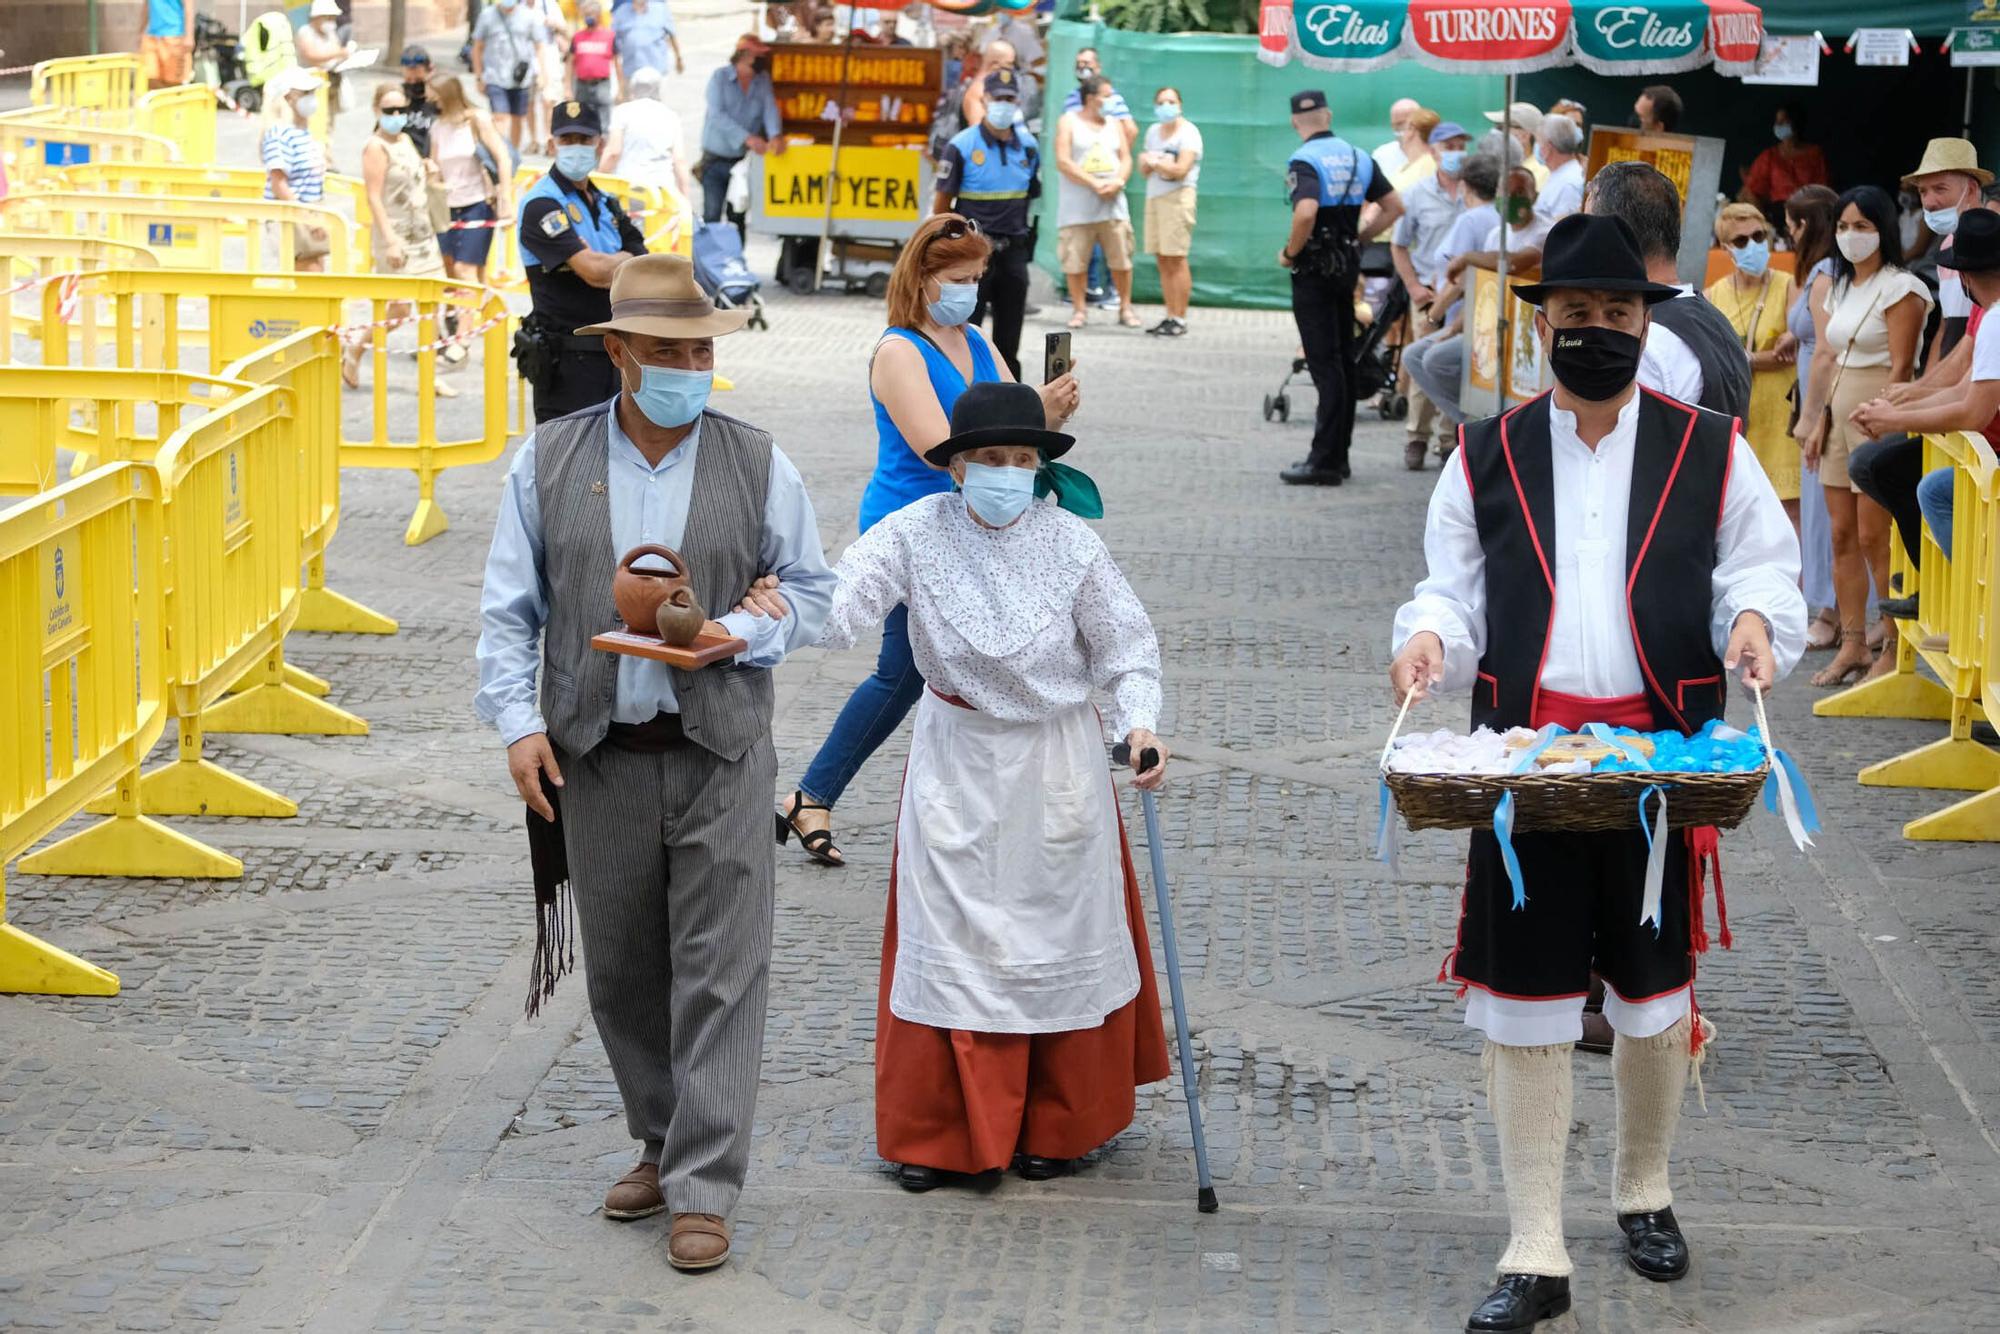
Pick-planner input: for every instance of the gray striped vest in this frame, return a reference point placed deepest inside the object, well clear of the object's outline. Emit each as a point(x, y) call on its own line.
point(724, 708)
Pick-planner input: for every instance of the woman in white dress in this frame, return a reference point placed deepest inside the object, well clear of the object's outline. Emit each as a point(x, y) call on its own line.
point(1017, 1008)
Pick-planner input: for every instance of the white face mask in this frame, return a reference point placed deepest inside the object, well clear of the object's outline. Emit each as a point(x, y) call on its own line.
point(1857, 246)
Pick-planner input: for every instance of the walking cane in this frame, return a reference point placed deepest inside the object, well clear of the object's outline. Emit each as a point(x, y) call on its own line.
point(1121, 754)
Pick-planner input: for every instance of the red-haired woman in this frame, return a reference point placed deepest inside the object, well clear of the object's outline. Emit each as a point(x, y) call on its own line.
point(926, 358)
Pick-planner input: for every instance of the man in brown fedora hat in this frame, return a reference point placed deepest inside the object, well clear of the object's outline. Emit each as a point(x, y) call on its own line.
point(1600, 554)
point(664, 776)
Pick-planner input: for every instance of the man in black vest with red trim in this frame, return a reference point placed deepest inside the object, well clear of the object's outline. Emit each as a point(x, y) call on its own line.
point(1601, 553)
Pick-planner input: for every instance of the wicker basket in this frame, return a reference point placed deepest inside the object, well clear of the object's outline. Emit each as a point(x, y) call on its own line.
point(1573, 803)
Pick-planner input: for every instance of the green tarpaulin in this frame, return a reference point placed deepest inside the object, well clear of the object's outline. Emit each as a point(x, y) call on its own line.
point(1240, 106)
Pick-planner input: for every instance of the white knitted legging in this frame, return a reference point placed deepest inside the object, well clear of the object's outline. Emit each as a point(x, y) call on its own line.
point(1650, 1076)
point(1529, 1090)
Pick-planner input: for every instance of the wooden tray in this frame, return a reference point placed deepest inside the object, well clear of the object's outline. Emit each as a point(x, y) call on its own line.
point(707, 648)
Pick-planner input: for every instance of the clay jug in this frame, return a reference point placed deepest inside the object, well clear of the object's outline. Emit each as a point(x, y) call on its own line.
point(657, 601)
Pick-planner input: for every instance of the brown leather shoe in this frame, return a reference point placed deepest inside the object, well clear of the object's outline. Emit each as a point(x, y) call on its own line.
point(635, 1195)
point(697, 1241)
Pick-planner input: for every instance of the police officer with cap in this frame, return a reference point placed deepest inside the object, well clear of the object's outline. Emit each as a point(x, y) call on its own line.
point(991, 173)
point(573, 238)
point(1338, 195)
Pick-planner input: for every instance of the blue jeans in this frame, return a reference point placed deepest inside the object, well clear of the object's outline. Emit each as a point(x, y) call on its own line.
point(1934, 499)
point(875, 709)
point(715, 185)
point(1098, 276)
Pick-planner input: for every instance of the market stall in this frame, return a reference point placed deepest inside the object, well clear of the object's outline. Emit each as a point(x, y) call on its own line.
point(1517, 37)
point(854, 175)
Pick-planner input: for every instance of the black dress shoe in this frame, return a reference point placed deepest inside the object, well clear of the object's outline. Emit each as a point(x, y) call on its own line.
point(1899, 609)
point(1300, 474)
point(917, 1179)
point(1043, 1169)
point(1519, 1301)
point(1654, 1245)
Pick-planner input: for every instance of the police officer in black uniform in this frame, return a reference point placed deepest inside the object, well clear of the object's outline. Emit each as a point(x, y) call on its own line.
point(573, 238)
point(1338, 196)
point(991, 173)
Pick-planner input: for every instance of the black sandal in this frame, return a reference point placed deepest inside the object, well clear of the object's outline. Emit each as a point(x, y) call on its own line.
point(819, 843)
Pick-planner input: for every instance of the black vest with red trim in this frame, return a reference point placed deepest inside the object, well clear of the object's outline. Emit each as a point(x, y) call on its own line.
point(1680, 472)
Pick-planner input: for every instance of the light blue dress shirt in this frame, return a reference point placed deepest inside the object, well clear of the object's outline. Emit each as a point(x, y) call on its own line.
point(648, 504)
point(735, 113)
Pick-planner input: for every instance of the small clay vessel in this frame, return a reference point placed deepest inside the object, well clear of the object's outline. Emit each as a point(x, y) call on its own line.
point(657, 601)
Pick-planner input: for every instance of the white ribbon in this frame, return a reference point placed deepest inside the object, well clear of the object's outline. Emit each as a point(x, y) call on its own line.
point(1788, 803)
point(1656, 858)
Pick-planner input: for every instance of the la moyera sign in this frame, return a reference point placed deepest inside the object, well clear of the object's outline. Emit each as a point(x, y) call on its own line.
point(875, 194)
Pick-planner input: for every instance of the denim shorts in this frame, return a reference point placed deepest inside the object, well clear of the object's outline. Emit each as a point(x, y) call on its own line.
point(474, 244)
point(507, 101)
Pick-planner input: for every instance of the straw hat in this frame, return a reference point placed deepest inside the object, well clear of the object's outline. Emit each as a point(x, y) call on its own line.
point(657, 295)
point(1942, 155)
point(325, 9)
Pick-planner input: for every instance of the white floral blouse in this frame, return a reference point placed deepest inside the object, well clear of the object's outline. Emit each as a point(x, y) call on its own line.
point(1022, 622)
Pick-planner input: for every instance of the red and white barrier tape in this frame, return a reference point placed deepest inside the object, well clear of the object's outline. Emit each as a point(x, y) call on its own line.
point(15, 69)
point(71, 289)
point(354, 332)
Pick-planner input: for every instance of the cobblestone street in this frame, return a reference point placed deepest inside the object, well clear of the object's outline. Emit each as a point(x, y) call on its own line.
point(315, 1104)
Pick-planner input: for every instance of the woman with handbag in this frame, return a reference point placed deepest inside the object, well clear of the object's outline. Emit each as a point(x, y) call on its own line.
point(472, 184)
point(1867, 336)
point(926, 359)
point(398, 181)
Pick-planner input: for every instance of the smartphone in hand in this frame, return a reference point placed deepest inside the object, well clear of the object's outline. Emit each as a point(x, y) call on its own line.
point(1055, 356)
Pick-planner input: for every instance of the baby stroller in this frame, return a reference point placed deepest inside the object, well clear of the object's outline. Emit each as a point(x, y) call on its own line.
point(720, 269)
point(1373, 367)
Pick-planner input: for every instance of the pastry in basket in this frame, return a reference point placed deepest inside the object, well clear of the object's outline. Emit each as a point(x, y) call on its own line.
point(1601, 553)
point(1575, 746)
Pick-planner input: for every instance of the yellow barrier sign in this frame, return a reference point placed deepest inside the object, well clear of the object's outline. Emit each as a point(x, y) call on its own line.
point(874, 185)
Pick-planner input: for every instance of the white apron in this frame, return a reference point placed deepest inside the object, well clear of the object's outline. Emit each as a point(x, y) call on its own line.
point(1010, 890)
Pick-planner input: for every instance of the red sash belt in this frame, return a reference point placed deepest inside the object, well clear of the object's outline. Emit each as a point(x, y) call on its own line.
point(952, 700)
point(1573, 711)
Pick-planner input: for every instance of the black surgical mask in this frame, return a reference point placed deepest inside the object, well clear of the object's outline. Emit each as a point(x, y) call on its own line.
point(416, 92)
point(1593, 362)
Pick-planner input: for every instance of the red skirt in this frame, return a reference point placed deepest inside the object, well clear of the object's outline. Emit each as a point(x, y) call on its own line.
point(968, 1102)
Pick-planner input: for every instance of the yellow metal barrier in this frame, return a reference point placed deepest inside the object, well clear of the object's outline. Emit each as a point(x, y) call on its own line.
point(244, 312)
point(308, 363)
point(232, 544)
point(109, 84)
point(109, 416)
point(82, 673)
point(184, 233)
point(33, 145)
point(1954, 636)
point(185, 115)
point(193, 180)
point(25, 259)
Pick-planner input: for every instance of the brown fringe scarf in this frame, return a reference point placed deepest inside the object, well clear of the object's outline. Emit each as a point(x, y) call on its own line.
point(555, 903)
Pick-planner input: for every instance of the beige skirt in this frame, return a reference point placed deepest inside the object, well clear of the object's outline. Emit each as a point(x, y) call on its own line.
point(1857, 384)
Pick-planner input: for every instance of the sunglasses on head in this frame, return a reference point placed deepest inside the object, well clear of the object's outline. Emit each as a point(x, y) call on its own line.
point(1738, 242)
point(955, 230)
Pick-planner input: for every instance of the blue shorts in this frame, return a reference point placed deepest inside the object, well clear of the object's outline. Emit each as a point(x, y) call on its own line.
point(472, 245)
point(507, 101)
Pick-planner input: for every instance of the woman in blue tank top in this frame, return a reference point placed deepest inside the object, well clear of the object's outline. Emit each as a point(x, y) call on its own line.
point(928, 355)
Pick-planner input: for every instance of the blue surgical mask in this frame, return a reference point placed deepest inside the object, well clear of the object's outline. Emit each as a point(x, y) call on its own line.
point(998, 495)
point(1751, 260)
point(306, 105)
point(393, 121)
point(1001, 115)
point(955, 303)
point(1943, 221)
point(1781, 132)
point(1451, 160)
point(576, 161)
point(1166, 112)
point(671, 397)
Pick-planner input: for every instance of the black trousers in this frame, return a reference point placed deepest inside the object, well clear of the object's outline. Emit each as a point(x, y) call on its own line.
point(1887, 472)
point(581, 379)
point(1004, 291)
point(1323, 309)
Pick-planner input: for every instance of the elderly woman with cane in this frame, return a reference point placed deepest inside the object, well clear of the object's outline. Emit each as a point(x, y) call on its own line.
point(1017, 1007)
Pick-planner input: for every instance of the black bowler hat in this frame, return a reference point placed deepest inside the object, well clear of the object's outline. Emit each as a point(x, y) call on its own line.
point(1000, 412)
point(1975, 246)
point(574, 118)
point(1312, 99)
point(1003, 86)
point(1595, 252)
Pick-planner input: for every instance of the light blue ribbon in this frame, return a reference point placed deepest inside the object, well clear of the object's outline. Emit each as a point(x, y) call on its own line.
point(1649, 901)
point(1503, 816)
point(1786, 771)
point(1385, 830)
point(1622, 746)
